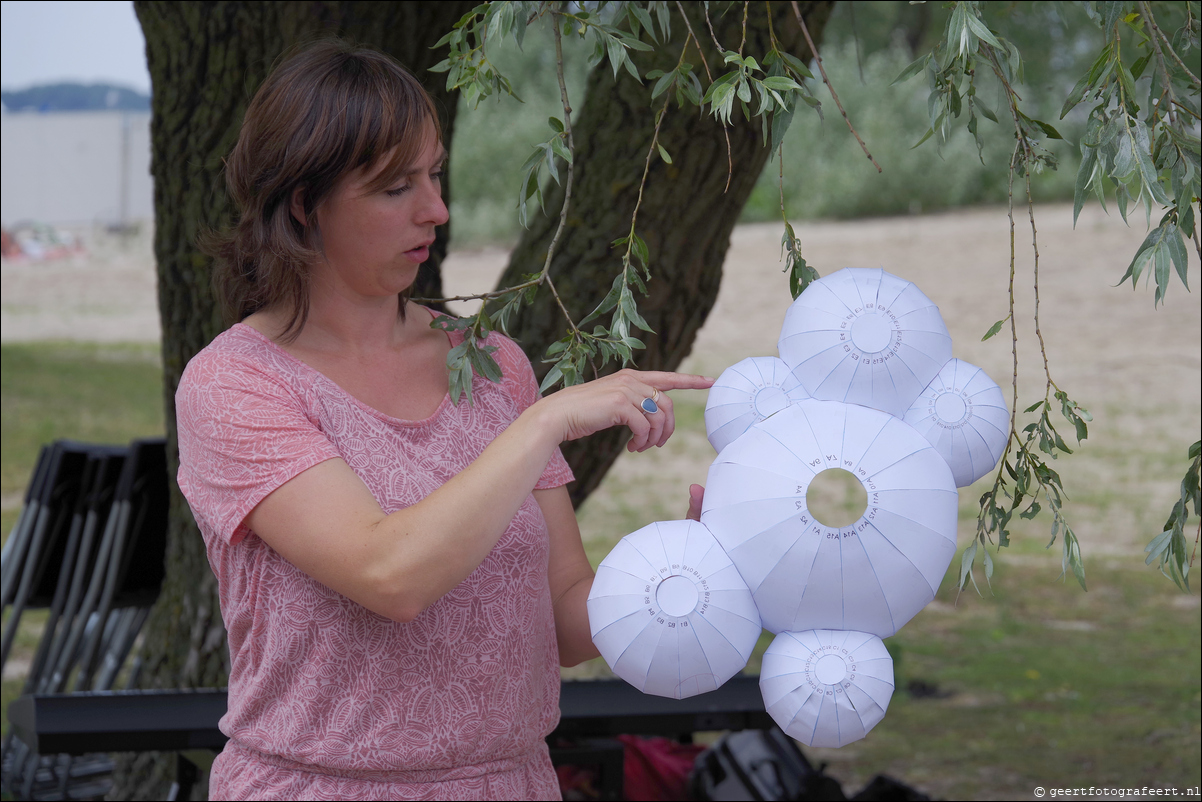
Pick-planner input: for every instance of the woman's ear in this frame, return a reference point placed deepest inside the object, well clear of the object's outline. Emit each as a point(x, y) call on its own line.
point(297, 206)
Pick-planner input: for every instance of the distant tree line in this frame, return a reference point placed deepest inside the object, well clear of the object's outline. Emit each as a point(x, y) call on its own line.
point(75, 97)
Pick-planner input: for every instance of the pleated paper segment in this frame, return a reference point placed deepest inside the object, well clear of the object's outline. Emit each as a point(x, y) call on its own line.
point(746, 393)
point(963, 414)
point(670, 613)
point(864, 336)
point(873, 575)
point(826, 687)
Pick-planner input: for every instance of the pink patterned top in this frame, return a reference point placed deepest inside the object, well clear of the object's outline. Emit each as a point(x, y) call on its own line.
point(327, 699)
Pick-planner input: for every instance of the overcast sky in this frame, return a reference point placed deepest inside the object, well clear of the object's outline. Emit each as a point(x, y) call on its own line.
point(81, 42)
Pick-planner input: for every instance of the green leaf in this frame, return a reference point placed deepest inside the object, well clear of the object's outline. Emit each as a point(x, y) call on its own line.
point(559, 146)
point(979, 28)
point(925, 137)
point(556, 124)
point(1085, 176)
point(1047, 129)
point(1075, 96)
point(994, 329)
point(485, 365)
point(552, 378)
point(781, 83)
point(663, 154)
point(912, 69)
point(644, 17)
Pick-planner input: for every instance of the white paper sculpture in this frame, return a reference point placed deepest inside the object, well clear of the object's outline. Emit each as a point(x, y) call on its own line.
point(872, 576)
point(670, 613)
point(865, 337)
point(891, 408)
point(746, 393)
point(963, 413)
point(826, 688)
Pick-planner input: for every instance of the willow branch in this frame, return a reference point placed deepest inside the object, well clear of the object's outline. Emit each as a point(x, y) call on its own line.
point(689, 27)
point(706, 13)
point(829, 86)
point(1146, 11)
point(1024, 144)
point(743, 40)
point(730, 161)
point(567, 187)
point(1159, 36)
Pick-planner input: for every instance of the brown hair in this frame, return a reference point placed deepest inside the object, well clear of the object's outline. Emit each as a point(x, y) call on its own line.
point(325, 111)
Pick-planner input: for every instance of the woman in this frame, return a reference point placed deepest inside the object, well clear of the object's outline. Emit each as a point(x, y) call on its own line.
point(399, 575)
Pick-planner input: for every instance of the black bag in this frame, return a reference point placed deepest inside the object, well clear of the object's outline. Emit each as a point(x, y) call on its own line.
point(759, 765)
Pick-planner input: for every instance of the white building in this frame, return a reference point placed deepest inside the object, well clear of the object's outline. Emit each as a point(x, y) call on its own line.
point(73, 168)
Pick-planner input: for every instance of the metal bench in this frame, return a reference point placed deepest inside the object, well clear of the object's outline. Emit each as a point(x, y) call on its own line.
point(182, 721)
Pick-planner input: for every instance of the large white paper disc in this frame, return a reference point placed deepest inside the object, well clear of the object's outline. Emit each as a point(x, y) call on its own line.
point(873, 575)
point(669, 612)
point(963, 413)
point(826, 687)
point(867, 337)
point(745, 394)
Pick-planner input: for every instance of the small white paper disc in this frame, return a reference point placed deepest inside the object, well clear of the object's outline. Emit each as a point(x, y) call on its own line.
point(677, 595)
point(769, 401)
point(963, 414)
point(830, 669)
point(669, 612)
point(871, 333)
point(864, 336)
point(748, 392)
point(950, 407)
point(826, 687)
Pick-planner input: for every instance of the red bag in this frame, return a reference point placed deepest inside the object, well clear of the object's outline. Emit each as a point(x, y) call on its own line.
point(657, 768)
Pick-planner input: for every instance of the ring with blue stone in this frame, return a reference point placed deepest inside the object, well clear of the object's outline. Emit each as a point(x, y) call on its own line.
point(649, 406)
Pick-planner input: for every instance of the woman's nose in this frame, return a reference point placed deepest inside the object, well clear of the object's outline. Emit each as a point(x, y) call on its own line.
point(434, 211)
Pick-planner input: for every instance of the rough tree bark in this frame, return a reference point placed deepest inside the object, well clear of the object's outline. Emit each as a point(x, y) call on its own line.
point(206, 59)
point(687, 213)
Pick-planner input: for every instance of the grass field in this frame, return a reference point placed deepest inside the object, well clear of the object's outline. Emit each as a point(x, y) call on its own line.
point(1032, 683)
point(79, 391)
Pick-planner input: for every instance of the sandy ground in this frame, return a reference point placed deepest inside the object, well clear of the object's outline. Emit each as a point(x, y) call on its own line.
point(1137, 368)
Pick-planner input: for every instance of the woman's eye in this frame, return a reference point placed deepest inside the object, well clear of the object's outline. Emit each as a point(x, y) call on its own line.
point(398, 191)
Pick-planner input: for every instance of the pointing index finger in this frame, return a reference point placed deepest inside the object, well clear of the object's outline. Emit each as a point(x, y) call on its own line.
point(663, 380)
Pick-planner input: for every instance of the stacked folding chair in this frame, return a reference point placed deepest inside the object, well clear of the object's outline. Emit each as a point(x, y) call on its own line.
point(88, 546)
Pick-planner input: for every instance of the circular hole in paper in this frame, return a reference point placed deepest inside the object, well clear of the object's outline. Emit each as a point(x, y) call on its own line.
point(871, 333)
point(950, 407)
point(830, 669)
point(677, 595)
point(836, 498)
point(769, 401)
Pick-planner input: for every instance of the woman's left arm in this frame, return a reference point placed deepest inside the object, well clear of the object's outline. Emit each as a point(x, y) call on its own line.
point(570, 576)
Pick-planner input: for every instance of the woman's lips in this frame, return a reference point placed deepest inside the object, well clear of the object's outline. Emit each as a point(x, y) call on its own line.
point(419, 255)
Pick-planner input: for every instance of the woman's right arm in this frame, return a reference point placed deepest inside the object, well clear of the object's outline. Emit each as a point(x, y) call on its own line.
point(326, 522)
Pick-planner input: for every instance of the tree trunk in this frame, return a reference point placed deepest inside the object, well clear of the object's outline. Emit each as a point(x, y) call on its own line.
point(687, 212)
point(206, 61)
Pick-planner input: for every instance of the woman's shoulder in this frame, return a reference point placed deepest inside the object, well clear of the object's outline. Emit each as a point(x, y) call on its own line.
point(239, 362)
point(238, 349)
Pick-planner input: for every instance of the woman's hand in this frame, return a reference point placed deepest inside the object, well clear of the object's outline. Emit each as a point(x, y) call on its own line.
point(696, 497)
point(616, 400)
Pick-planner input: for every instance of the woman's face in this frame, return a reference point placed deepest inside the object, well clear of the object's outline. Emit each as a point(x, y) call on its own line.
point(374, 241)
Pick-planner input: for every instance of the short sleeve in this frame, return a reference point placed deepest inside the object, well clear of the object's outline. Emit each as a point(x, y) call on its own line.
point(243, 432)
point(523, 388)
